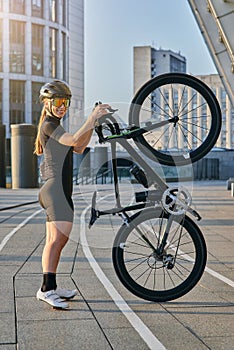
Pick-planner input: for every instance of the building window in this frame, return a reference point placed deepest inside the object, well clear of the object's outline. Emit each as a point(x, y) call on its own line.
point(176, 65)
point(53, 51)
point(1, 36)
point(64, 56)
point(17, 102)
point(64, 12)
point(17, 47)
point(37, 49)
point(17, 6)
point(37, 8)
point(0, 101)
point(53, 6)
point(36, 106)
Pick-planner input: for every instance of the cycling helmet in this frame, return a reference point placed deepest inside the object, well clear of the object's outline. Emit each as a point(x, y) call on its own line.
point(55, 88)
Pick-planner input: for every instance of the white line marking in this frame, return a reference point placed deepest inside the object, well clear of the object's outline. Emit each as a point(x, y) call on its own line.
point(220, 277)
point(17, 228)
point(211, 272)
point(144, 332)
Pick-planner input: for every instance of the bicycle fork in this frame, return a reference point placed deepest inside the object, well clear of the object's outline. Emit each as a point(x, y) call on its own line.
point(159, 252)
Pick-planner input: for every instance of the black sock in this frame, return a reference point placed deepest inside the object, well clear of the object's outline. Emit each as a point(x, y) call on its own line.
point(49, 282)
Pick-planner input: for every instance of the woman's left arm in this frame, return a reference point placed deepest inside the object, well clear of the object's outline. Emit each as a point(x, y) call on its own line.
point(81, 138)
point(84, 141)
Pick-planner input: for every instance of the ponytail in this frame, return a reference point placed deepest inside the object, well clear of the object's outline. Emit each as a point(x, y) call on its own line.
point(38, 150)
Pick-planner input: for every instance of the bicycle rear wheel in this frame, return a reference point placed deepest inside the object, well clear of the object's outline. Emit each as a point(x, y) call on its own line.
point(192, 112)
point(153, 277)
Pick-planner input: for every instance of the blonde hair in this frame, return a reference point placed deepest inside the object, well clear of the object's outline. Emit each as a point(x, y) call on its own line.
point(38, 150)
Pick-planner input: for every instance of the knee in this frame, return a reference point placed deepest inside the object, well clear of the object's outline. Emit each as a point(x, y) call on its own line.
point(57, 242)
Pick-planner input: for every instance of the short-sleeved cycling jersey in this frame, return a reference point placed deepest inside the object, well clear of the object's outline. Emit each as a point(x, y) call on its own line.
point(56, 170)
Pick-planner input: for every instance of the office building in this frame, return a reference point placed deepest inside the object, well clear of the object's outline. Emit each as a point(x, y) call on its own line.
point(40, 40)
point(226, 138)
point(149, 62)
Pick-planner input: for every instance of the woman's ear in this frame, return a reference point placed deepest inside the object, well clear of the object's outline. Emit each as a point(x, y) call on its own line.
point(47, 103)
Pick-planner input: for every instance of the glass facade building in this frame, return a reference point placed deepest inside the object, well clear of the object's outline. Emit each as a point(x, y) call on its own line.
point(40, 40)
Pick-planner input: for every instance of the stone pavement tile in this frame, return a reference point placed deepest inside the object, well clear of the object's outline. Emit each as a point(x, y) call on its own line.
point(172, 335)
point(21, 245)
point(6, 290)
point(12, 259)
point(227, 296)
point(27, 284)
point(215, 284)
point(7, 307)
point(107, 313)
point(225, 249)
point(125, 338)
point(67, 335)
point(201, 319)
point(7, 346)
point(87, 281)
point(219, 343)
point(7, 327)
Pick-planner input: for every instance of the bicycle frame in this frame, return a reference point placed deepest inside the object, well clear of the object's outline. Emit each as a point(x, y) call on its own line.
point(154, 178)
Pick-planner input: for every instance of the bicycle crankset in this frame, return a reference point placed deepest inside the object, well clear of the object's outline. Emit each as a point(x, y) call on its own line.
point(176, 200)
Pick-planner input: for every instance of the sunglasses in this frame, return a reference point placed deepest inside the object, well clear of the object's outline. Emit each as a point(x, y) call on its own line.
point(58, 102)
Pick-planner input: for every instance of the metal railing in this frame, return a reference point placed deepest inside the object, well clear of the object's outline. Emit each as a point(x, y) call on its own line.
point(102, 176)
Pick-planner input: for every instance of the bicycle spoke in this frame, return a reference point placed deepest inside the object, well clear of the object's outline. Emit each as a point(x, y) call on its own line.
point(192, 111)
point(146, 268)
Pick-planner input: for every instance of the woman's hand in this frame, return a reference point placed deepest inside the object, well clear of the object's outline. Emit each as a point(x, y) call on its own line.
point(82, 137)
point(99, 111)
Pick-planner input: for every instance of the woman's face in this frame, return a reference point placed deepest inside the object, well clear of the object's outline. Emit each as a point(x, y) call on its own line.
point(58, 107)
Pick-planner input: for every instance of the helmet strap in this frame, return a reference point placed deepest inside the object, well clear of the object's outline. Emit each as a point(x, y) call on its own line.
point(49, 110)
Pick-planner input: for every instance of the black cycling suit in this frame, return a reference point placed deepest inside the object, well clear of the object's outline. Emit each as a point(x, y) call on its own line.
point(55, 195)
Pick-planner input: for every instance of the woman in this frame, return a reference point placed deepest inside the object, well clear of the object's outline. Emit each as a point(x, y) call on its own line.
point(55, 195)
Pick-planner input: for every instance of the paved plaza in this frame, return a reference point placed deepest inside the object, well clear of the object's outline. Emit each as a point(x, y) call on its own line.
point(105, 315)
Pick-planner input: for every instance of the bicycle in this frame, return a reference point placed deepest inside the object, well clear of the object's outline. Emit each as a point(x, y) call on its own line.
point(159, 253)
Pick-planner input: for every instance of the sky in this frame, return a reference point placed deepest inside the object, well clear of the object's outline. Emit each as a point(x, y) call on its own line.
point(114, 27)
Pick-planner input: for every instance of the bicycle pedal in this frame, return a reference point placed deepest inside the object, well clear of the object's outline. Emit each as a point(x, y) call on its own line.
point(93, 217)
point(94, 213)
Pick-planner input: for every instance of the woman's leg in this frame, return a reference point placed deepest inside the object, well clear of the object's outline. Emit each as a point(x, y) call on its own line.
point(57, 235)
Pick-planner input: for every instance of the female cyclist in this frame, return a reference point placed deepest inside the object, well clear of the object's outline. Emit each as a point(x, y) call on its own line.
point(55, 196)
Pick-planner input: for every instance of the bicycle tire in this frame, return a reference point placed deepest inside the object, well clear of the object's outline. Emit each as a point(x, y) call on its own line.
point(141, 273)
point(194, 132)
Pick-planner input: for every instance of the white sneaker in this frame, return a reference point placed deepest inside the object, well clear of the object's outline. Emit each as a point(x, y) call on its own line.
point(66, 293)
point(52, 299)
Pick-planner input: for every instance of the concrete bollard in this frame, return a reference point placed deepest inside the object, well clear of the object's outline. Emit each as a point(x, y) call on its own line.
point(229, 182)
point(232, 189)
point(23, 161)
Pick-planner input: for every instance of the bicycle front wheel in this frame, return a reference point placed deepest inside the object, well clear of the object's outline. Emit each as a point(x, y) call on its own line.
point(186, 116)
point(153, 276)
